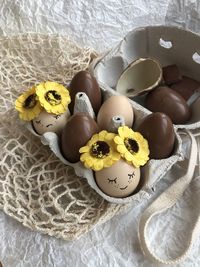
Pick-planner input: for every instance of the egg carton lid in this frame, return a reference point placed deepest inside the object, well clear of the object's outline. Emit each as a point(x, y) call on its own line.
point(167, 44)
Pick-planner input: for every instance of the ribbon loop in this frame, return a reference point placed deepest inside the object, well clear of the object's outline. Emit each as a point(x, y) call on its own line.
point(165, 201)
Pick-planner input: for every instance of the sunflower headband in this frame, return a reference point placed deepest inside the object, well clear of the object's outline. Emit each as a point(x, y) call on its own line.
point(51, 96)
point(104, 149)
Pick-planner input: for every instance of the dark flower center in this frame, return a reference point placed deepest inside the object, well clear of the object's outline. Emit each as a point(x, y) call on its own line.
point(53, 97)
point(100, 149)
point(30, 102)
point(131, 145)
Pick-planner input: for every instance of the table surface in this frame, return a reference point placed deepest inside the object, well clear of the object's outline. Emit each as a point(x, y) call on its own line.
point(101, 24)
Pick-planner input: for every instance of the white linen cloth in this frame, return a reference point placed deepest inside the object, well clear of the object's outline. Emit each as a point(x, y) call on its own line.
point(101, 24)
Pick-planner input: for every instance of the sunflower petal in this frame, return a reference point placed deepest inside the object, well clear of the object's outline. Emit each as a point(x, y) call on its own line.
point(108, 162)
point(98, 165)
point(135, 164)
point(129, 156)
point(121, 149)
point(110, 136)
point(121, 131)
point(94, 138)
point(84, 149)
point(84, 157)
point(118, 140)
point(89, 162)
point(102, 135)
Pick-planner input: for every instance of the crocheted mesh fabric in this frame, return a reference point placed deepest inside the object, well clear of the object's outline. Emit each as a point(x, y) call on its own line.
point(35, 187)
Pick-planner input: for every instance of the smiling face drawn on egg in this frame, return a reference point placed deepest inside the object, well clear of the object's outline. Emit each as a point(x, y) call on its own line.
point(115, 182)
point(120, 180)
point(47, 122)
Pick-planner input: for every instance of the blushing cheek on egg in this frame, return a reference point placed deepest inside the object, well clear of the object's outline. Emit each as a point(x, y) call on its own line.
point(47, 122)
point(120, 180)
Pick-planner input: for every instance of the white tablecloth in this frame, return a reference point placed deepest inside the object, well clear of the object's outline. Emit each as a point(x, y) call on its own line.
point(101, 24)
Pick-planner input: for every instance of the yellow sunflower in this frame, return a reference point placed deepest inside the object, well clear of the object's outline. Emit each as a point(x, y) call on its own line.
point(28, 105)
point(132, 146)
point(54, 97)
point(100, 151)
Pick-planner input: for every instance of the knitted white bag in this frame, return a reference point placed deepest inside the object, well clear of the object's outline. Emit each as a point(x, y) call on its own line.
point(36, 188)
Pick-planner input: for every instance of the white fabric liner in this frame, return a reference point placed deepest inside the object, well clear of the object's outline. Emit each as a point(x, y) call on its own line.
point(115, 243)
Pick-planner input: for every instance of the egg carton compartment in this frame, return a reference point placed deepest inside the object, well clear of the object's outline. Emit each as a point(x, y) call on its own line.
point(151, 173)
point(168, 45)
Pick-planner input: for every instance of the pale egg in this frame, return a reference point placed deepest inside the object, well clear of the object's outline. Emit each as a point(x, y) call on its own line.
point(119, 180)
point(47, 122)
point(115, 106)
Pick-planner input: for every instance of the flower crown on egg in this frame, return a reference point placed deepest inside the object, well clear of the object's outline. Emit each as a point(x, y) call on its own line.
point(51, 96)
point(105, 148)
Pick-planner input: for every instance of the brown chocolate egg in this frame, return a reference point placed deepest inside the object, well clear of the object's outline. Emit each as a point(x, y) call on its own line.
point(165, 100)
point(84, 82)
point(186, 87)
point(171, 74)
point(76, 133)
point(158, 129)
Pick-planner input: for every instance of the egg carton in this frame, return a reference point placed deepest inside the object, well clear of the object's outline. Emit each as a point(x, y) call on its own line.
point(167, 45)
point(164, 44)
point(153, 169)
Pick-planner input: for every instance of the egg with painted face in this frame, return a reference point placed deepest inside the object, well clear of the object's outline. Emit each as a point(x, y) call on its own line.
point(47, 122)
point(120, 180)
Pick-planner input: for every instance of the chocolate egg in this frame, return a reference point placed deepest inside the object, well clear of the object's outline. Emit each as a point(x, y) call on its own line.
point(165, 100)
point(47, 122)
point(119, 180)
point(158, 129)
point(76, 133)
point(171, 74)
point(84, 82)
point(186, 87)
point(115, 106)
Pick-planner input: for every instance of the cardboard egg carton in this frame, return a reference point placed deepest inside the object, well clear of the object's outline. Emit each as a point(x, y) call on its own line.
point(167, 45)
point(151, 172)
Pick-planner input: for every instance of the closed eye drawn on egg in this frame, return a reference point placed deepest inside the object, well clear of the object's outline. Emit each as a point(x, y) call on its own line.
point(49, 125)
point(112, 180)
point(131, 175)
point(56, 116)
point(38, 121)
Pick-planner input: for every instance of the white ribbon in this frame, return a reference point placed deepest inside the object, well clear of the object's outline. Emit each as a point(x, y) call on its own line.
point(165, 201)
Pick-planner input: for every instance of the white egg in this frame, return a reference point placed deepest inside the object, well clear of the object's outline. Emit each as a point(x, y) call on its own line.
point(116, 105)
point(119, 180)
point(47, 122)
